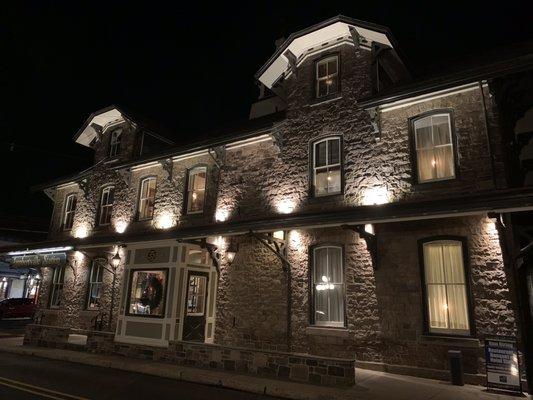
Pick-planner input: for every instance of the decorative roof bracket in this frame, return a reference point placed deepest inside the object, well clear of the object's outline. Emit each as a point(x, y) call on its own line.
point(125, 174)
point(369, 238)
point(211, 248)
point(51, 193)
point(278, 247)
point(168, 166)
point(292, 61)
point(84, 186)
point(375, 122)
point(220, 156)
point(356, 38)
point(277, 138)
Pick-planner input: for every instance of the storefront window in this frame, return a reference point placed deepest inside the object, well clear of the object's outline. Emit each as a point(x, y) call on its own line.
point(147, 293)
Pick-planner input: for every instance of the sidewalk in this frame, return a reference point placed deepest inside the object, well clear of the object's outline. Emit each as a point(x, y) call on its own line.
point(370, 385)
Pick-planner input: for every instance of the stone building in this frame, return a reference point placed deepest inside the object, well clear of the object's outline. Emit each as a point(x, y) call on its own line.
point(360, 218)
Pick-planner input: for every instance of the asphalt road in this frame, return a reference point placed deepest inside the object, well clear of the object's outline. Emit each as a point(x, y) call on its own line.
point(33, 378)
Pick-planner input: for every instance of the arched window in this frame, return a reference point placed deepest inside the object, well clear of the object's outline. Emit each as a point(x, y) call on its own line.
point(327, 164)
point(445, 287)
point(147, 198)
point(434, 146)
point(114, 144)
point(70, 210)
point(327, 285)
point(196, 183)
point(107, 199)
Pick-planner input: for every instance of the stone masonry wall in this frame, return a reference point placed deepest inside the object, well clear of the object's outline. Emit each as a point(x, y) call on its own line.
point(269, 364)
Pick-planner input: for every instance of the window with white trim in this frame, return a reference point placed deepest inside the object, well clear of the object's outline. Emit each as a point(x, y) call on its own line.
point(445, 287)
point(328, 286)
point(327, 166)
point(58, 278)
point(434, 148)
point(327, 76)
point(70, 210)
point(196, 190)
point(107, 200)
point(147, 198)
point(115, 141)
point(95, 285)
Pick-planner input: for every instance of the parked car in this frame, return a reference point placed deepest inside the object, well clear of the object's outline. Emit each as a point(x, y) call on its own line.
point(17, 308)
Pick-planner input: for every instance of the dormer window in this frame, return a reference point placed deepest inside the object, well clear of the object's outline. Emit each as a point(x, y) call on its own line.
point(327, 76)
point(114, 144)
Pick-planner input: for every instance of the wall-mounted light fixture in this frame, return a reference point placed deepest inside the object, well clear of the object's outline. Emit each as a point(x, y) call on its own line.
point(232, 251)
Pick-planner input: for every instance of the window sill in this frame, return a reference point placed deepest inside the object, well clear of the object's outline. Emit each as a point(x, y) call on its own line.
point(459, 341)
point(51, 311)
point(327, 331)
point(325, 100)
point(327, 198)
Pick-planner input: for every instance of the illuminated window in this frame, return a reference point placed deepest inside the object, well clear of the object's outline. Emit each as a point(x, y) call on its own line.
point(434, 148)
point(196, 295)
point(327, 166)
point(328, 286)
point(70, 210)
point(95, 284)
point(327, 76)
point(114, 144)
point(147, 198)
point(445, 287)
point(196, 190)
point(106, 205)
point(56, 291)
point(147, 293)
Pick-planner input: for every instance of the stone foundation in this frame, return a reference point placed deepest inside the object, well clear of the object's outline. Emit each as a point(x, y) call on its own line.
point(267, 364)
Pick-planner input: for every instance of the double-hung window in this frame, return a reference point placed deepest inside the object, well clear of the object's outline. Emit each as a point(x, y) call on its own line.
point(70, 210)
point(327, 166)
point(147, 198)
point(114, 143)
point(328, 286)
point(434, 147)
point(95, 285)
point(58, 278)
point(196, 190)
point(327, 76)
point(106, 205)
point(445, 287)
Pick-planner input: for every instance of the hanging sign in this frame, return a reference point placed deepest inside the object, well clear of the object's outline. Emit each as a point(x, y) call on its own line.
point(501, 358)
point(39, 260)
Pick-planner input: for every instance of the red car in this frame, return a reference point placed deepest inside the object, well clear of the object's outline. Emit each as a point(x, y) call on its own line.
point(17, 308)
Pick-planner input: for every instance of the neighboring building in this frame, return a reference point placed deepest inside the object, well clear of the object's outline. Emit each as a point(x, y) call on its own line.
point(358, 215)
point(19, 282)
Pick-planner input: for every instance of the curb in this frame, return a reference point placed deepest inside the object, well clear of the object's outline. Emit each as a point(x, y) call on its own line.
point(242, 383)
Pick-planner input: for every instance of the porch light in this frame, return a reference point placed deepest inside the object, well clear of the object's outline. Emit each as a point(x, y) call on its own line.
point(115, 261)
point(231, 252)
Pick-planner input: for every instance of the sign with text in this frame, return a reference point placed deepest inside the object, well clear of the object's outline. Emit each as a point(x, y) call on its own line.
point(501, 358)
point(36, 260)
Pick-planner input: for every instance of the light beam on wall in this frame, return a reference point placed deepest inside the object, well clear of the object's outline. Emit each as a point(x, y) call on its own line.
point(221, 215)
point(81, 232)
point(375, 195)
point(120, 226)
point(165, 221)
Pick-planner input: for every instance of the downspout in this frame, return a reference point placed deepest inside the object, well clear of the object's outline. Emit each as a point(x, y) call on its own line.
point(489, 143)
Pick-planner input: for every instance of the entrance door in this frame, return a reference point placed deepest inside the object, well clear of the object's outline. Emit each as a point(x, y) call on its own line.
point(195, 307)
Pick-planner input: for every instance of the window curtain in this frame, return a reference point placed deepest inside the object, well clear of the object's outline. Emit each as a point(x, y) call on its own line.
point(446, 287)
point(328, 282)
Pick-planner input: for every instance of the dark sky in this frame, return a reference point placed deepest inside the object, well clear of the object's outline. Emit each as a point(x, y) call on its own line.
point(188, 67)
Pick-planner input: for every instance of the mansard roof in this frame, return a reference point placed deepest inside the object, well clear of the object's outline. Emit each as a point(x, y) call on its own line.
point(324, 34)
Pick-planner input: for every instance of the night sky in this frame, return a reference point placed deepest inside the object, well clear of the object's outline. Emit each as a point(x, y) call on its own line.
point(188, 67)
